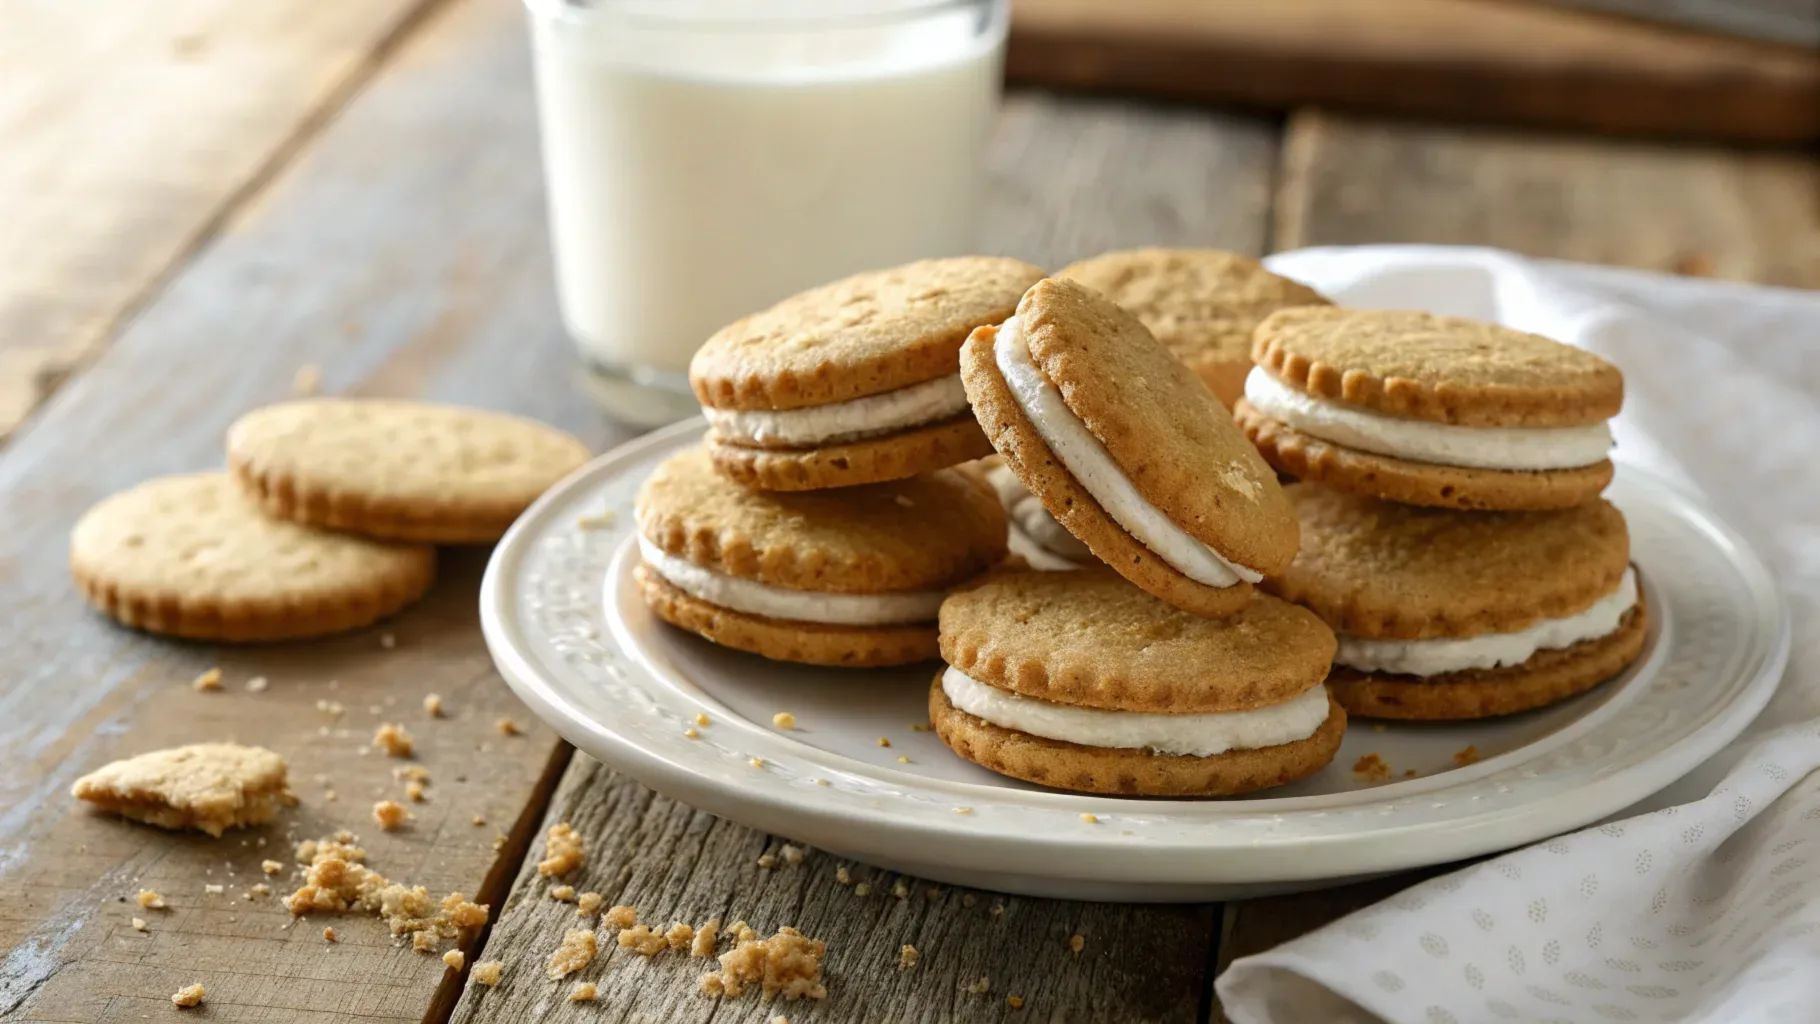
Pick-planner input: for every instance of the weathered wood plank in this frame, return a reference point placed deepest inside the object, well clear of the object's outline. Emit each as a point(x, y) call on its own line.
point(1752, 216)
point(1138, 963)
point(130, 128)
point(1067, 180)
point(404, 254)
point(1738, 214)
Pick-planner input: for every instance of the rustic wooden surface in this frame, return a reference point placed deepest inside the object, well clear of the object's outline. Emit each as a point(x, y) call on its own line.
point(401, 248)
point(1464, 59)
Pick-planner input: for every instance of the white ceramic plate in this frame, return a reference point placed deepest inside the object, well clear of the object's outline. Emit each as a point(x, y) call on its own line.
point(564, 623)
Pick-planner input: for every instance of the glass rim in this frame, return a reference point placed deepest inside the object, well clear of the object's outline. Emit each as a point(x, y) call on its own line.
point(647, 16)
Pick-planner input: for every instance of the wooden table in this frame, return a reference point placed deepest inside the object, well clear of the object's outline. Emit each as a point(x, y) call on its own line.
point(199, 197)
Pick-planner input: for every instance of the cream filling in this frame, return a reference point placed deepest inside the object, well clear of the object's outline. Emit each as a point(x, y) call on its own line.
point(1089, 462)
point(1440, 655)
point(1191, 735)
point(1512, 448)
point(1027, 515)
point(796, 605)
point(839, 422)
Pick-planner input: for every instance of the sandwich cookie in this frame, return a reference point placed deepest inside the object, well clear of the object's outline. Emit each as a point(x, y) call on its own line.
point(853, 382)
point(1203, 304)
point(1127, 450)
point(849, 577)
point(1430, 410)
point(1034, 535)
point(1450, 615)
point(1082, 681)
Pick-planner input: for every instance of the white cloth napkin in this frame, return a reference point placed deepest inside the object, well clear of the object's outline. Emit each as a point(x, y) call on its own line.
point(1708, 908)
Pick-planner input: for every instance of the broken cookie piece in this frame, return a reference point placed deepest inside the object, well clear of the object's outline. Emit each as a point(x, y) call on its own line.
point(211, 787)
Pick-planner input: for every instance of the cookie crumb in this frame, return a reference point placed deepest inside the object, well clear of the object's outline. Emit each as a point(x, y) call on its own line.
point(900, 890)
point(270, 867)
point(477, 820)
point(214, 890)
point(588, 904)
point(791, 854)
point(620, 917)
point(705, 938)
point(577, 951)
point(1467, 756)
point(906, 957)
point(1410, 773)
point(981, 987)
point(679, 936)
point(757, 762)
point(921, 727)
point(998, 910)
point(787, 964)
point(563, 893)
point(487, 972)
point(822, 782)
point(388, 640)
point(884, 741)
point(306, 380)
point(390, 814)
point(207, 682)
point(564, 851)
point(779, 1019)
point(583, 992)
point(261, 889)
point(742, 932)
point(901, 759)
point(139, 924)
point(507, 727)
point(423, 941)
point(189, 995)
point(963, 810)
point(767, 861)
point(842, 876)
point(432, 705)
point(701, 719)
point(784, 720)
point(968, 899)
point(1015, 1002)
point(149, 900)
point(1091, 819)
point(328, 935)
point(414, 790)
point(392, 739)
point(455, 958)
point(863, 889)
point(257, 684)
point(1371, 768)
point(1076, 943)
point(642, 940)
point(691, 733)
point(1379, 727)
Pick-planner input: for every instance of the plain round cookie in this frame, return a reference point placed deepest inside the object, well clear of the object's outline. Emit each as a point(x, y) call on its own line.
point(1090, 638)
point(807, 643)
point(869, 461)
point(1306, 457)
point(863, 335)
point(1384, 570)
point(1442, 369)
point(398, 470)
point(1131, 772)
point(189, 556)
point(1203, 304)
point(922, 533)
point(1546, 678)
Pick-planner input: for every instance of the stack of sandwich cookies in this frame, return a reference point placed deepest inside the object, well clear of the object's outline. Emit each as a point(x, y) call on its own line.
point(1034, 534)
point(1081, 681)
point(851, 577)
point(1127, 450)
point(1452, 615)
point(1203, 304)
point(1430, 410)
point(853, 382)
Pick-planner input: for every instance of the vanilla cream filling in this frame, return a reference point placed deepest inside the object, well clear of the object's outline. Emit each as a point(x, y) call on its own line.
point(839, 422)
point(1511, 448)
point(1089, 462)
point(1440, 655)
point(1191, 735)
point(1027, 515)
point(796, 605)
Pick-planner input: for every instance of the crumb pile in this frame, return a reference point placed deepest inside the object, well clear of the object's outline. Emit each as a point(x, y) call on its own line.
point(338, 881)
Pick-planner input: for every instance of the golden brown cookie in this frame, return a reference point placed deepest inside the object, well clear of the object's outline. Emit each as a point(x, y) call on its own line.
point(854, 382)
point(1137, 411)
point(1092, 639)
point(398, 470)
point(852, 576)
point(1437, 368)
point(210, 787)
point(1127, 771)
point(189, 556)
point(807, 643)
point(1384, 570)
point(1301, 456)
point(1547, 677)
point(862, 335)
point(1203, 304)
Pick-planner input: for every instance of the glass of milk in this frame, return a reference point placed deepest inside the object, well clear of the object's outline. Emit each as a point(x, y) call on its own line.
point(706, 158)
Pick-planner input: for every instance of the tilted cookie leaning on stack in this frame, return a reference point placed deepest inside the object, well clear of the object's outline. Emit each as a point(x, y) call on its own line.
point(1082, 681)
point(853, 382)
point(851, 576)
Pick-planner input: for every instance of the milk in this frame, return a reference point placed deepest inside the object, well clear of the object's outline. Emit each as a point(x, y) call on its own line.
point(698, 173)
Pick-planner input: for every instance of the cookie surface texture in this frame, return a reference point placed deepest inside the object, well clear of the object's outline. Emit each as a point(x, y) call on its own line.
point(398, 470)
point(1203, 304)
point(866, 334)
point(1091, 638)
point(210, 787)
point(190, 556)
